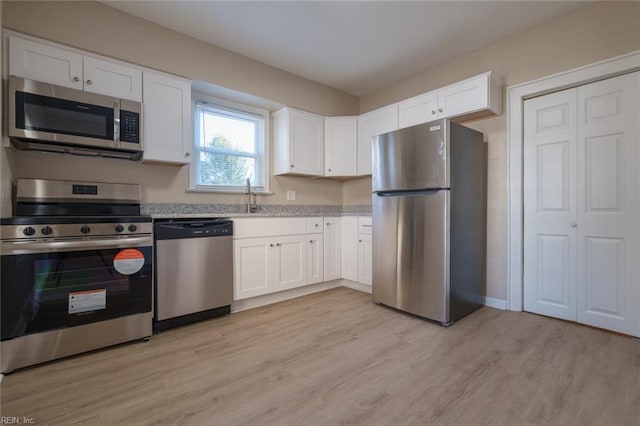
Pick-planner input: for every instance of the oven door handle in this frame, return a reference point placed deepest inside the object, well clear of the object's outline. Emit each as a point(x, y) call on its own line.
point(32, 247)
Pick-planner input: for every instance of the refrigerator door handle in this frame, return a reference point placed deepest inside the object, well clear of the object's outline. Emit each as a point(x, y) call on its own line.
point(430, 191)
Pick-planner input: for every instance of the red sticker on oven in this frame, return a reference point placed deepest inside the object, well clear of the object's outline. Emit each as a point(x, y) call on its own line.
point(128, 261)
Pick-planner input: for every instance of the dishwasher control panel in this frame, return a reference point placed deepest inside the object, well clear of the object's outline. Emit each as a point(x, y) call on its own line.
point(193, 229)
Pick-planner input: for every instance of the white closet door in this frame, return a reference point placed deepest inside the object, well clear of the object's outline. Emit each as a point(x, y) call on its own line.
point(550, 205)
point(608, 274)
point(582, 204)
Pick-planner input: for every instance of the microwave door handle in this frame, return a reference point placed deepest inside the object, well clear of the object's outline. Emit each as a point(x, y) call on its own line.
point(116, 124)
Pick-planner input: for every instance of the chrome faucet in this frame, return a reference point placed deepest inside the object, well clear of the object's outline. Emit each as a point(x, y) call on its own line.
point(252, 205)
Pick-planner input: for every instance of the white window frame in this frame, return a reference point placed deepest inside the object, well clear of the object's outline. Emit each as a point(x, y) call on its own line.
point(262, 158)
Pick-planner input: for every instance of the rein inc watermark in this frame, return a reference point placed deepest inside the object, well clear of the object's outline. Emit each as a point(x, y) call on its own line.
point(6, 420)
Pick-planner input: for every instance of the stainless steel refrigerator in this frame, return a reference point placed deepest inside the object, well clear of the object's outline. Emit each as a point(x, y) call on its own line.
point(429, 210)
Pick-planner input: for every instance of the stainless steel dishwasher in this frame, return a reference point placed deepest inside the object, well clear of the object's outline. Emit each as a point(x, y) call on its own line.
point(194, 271)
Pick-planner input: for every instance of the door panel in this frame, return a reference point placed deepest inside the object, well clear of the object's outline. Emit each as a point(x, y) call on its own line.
point(549, 205)
point(252, 269)
point(609, 204)
point(410, 257)
point(291, 263)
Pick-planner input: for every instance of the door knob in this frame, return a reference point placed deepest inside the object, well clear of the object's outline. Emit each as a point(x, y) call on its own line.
point(573, 224)
point(76, 79)
point(433, 112)
point(89, 82)
point(439, 109)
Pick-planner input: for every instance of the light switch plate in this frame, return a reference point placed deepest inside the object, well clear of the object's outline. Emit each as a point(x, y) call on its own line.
point(291, 195)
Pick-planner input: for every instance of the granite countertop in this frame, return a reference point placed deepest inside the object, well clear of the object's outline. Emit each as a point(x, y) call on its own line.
point(177, 211)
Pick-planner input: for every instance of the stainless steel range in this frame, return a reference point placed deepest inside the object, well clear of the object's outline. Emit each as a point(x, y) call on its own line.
point(76, 271)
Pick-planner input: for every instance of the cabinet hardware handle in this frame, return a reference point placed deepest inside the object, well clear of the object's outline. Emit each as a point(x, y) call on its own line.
point(359, 241)
point(329, 169)
point(76, 79)
point(328, 224)
point(270, 245)
point(89, 82)
point(573, 224)
point(433, 112)
point(439, 109)
point(311, 241)
point(316, 225)
point(186, 154)
point(277, 244)
point(292, 166)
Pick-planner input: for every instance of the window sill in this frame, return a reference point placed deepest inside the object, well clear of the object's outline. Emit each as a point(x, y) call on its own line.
point(227, 191)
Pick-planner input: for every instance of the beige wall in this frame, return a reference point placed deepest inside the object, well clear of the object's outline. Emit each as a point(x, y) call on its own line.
point(97, 28)
point(593, 33)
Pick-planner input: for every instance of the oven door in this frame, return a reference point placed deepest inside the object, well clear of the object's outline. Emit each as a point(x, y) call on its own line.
point(47, 285)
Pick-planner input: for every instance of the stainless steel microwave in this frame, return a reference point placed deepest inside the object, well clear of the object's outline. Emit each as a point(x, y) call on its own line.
point(47, 117)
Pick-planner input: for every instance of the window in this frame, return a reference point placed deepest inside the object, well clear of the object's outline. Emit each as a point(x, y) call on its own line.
point(230, 146)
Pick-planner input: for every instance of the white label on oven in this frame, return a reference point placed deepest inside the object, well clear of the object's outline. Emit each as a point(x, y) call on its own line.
point(434, 128)
point(85, 301)
point(128, 261)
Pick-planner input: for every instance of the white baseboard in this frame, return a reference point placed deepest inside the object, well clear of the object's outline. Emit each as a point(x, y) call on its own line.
point(268, 299)
point(492, 302)
point(356, 286)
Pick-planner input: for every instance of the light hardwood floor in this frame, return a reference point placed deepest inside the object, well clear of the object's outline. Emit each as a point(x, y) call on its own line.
point(335, 358)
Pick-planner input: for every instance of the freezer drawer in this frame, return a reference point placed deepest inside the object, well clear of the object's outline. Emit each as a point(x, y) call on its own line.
point(410, 253)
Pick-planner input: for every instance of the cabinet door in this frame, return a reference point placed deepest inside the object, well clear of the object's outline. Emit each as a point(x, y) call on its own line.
point(44, 63)
point(340, 146)
point(167, 118)
point(350, 248)
point(370, 125)
point(332, 249)
point(315, 255)
point(464, 97)
point(108, 78)
point(253, 264)
point(306, 143)
point(365, 259)
point(417, 110)
point(290, 262)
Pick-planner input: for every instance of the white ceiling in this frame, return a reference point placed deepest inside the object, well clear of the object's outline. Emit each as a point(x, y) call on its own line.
point(355, 46)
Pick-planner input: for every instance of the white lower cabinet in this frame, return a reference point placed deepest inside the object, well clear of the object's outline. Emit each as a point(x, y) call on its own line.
point(267, 264)
point(365, 251)
point(332, 248)
point(315, 259)
point(357, 257)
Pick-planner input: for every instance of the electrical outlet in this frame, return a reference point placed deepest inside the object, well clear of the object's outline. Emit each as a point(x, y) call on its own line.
point(291, 195)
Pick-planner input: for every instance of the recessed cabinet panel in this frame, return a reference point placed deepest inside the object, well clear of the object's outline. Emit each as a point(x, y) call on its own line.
point(44, 63)
point(108, 78)
point(340, 146)
point(299, 142)
point(167, 118)
point(417, 110)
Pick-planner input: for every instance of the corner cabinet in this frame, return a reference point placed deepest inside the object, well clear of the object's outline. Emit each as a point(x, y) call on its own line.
point(68, 68)
point(299, 142)
point(476, 97)
point(166, 118)
point(370, 125)
point(340, 146)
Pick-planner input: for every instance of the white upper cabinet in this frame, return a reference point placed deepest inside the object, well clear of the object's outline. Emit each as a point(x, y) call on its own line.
point(473, 98)
point(370, 125)
point(419, 109)
point(166, 118)
point(340, 146)
point(299, 142)
point(111, 79)
point(49, 64)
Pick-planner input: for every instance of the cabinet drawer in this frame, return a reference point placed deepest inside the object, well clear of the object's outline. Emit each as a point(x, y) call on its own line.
point(314, 225)
point(254, 227)
point(364, 225)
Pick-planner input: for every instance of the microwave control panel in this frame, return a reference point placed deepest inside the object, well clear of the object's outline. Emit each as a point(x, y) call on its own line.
point(129, 126)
